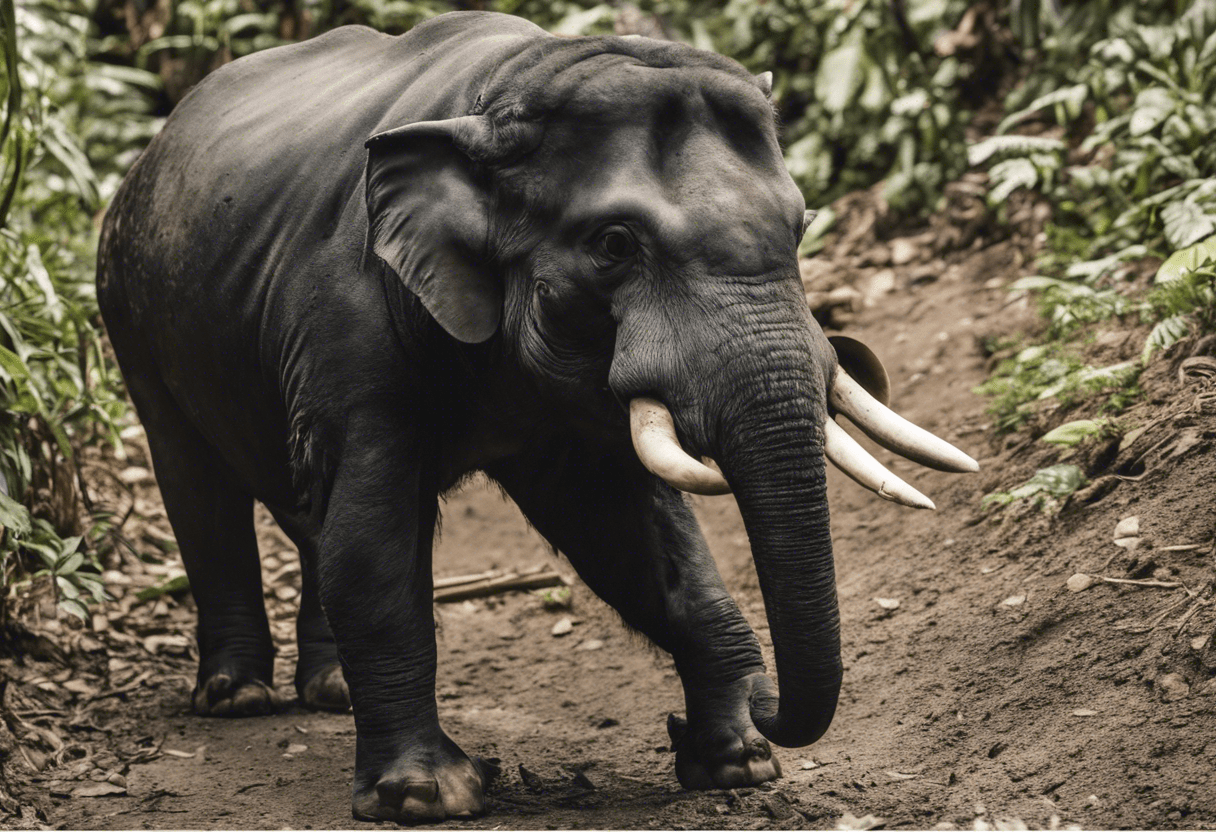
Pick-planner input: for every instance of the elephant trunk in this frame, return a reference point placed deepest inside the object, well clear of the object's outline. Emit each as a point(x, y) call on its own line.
point(773, 456)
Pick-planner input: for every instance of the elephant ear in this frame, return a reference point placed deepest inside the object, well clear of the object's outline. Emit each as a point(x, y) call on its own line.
point(428, 217)
point(860, 362)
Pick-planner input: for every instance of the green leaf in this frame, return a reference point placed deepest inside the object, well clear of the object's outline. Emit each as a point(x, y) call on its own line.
point(1153, 106)
point(1187, 260)
point(73, 606)
point(981, 152)
point(1187, 223)
point(1057, 481)
point(1009, 175)
point(69, 565)
point(1165, 334)
point(1072, 98)
point(841, 73)
point(173, 586)
point(14, 516)
point(67, 588)
point(33, 262)
point(1071, 434)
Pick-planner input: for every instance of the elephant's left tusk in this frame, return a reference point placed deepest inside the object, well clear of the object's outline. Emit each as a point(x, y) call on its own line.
point(894, 432)
point(848, 456)
point(654, 440)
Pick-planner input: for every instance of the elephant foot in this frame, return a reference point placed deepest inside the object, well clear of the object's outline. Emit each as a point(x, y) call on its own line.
point(425, 786)
point(325, 690)
point(226, 694)
point(718, 747)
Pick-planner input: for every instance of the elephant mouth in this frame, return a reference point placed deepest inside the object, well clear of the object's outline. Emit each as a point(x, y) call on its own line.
point(657, 446)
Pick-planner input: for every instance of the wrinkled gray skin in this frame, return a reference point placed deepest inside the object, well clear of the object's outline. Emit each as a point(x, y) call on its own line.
point(342, 333)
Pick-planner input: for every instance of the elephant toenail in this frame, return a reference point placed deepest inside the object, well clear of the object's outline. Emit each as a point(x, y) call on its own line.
point(760, 749)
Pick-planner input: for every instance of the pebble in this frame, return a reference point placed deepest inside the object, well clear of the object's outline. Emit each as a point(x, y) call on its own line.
point(296, 748)
point(1080, 582)
point(1172, 687)
point(134, 475)
point(1014, 601)
point(903, 251)
point(887, 603)
point(563, 627)
point(1127, 527)
point(286, 593)
point(590, 644)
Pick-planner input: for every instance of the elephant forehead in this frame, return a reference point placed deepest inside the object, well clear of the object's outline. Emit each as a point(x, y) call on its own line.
point(698, 198)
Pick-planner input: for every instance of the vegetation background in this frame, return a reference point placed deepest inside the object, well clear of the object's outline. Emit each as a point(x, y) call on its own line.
point(1100, 114)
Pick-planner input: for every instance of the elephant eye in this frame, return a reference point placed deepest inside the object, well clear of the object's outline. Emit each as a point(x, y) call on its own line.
point(616, 244)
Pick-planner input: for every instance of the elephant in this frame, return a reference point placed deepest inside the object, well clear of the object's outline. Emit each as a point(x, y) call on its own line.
point(350, 271)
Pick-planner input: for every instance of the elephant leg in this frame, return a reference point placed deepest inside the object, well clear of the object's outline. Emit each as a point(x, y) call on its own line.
point(374, 582)
point(636, 543)
point(318, 680)
point(212, 519)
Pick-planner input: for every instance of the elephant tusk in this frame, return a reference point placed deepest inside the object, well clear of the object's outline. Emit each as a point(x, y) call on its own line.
point(654, 440)
point(868, 472)
point(894, 432)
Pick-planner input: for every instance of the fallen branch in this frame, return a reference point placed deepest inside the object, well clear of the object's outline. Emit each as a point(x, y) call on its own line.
point(1131, 582)
point(461, 580)
point(486, 587)
point(127, 688)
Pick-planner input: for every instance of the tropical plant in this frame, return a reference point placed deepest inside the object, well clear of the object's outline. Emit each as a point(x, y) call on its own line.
point(71, 126)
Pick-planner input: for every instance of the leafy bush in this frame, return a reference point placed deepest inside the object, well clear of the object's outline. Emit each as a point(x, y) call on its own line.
point(70, 129)
point(1125, 154)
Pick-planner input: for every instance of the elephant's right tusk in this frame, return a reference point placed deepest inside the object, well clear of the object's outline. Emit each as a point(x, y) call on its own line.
point(654, 440)
point(892, 431)
point(868, 472)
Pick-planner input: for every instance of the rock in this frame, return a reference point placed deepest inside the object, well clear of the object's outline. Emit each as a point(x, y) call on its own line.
point(809, 765)
point(134, 475)
point(99, 790)
point(117, 780)
point(1014, 601)
point(1172, 686)
point(1127, 527)
point(887, 603)
point(173, 645)
point(1084, 712)
point(532, 782)
point(1198, 643)
point(881, 283)
point(903, 251)
point(1080, 582)
point(296, 748)
point(590, 644)
point(286, 593)
point(777, 807)
point(563, 627)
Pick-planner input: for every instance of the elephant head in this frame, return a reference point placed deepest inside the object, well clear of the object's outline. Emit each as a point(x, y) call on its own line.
point(618, 214)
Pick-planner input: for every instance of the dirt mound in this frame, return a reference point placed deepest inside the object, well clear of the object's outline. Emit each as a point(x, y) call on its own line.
point(980, 690)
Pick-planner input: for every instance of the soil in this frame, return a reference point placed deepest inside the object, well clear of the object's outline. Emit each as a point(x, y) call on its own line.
point(980, 691)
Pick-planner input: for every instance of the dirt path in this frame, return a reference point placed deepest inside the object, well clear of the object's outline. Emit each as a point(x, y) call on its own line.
point(990, 697)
